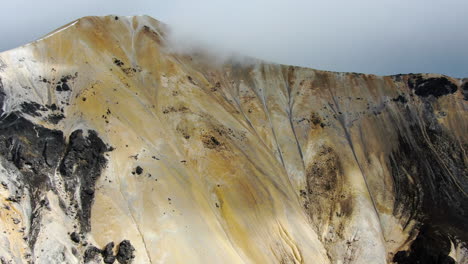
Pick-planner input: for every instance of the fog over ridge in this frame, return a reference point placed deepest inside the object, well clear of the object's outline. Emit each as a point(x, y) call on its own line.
point(378, 37)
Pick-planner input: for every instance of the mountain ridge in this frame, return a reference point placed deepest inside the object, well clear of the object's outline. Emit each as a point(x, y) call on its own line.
point(108, 137)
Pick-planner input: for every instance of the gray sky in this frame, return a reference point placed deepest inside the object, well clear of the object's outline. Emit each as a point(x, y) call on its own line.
point(369, 36)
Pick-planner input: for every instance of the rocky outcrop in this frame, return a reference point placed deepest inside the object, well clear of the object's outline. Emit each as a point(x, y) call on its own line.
point(31, 157)
point(115, 149)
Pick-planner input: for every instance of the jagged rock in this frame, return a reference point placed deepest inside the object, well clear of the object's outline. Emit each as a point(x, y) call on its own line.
point(75, 237)
point(125, 252)
point(139, 170)
point(91, 254)
point(108, 253)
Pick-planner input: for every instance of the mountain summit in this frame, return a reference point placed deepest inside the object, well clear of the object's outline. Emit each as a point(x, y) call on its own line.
point(116, 149)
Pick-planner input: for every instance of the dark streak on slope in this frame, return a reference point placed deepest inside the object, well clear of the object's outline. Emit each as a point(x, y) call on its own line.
point(2, 96)
point(125, 252)
point(435, 193)
point(32, 108)
point(430, 247)
point(37, 152)
point(335, 107)
point(80, 167)
point(34, 151)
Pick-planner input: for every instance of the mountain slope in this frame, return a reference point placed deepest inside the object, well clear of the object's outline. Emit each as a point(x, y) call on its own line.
point(107, 136)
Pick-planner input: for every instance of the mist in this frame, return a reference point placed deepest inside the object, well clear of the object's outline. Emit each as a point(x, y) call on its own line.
point(378, 37)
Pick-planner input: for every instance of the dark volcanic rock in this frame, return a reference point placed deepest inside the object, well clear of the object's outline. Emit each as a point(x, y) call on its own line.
point(139, 170)
point(430, 247)
point(75, 237)
point(92, 253)
point(63, 86)
point(432, 86)
point(55, 118)
point(125, 252)
point(37, 152)
point(32, 108)
point(108, 254)
point(465, 90)
point(435, 194)
point(81, 166)
point(2, 96)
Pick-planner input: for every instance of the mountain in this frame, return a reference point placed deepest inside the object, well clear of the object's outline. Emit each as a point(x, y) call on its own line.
point(116, 149)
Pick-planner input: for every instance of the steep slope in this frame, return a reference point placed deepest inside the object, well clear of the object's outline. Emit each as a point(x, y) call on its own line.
point(115, 149)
